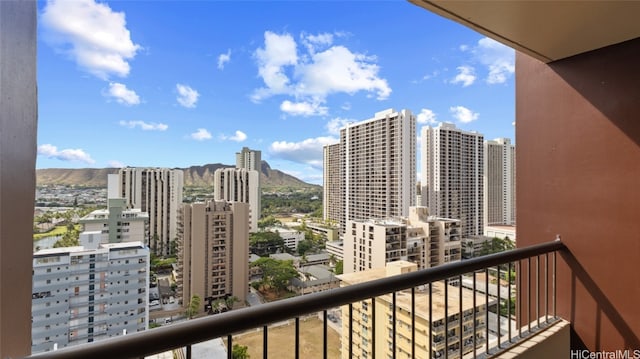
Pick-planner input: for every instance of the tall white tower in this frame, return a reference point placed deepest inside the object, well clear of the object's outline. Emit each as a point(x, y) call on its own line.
point(378, 166)
point(452, 181)
point(499, 182)
point(157, 191)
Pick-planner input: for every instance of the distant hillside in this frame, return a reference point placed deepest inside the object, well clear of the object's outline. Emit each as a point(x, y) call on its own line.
point(194, 176)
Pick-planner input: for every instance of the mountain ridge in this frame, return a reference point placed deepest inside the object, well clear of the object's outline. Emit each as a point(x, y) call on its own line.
point(194, 176)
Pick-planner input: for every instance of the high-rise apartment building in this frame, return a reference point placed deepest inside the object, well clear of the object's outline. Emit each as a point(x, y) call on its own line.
point(83, 295)
point(499, 182)
point(377, 167)
point(331, 183)
point(452, 184)
point(367, 339)
point(156, 191)
point(419, 238)
point(213, 251)
point(239, 185)
point(118, 224)
point(249, 159)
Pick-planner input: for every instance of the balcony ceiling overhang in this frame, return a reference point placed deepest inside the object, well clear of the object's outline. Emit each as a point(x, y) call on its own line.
point(546, 30)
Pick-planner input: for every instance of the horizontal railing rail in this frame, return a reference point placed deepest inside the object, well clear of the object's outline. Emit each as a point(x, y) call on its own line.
point(185, 334)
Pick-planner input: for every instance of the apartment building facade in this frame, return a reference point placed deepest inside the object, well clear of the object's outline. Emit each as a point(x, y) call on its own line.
point(240, 185)
point(452, 175)
point(117, 223)
point(156, 191)
point(369, 340)
point(332, 190)
point(83, 295)
point(249, 159)
point(499, 182)
point(213, 251)
point(377, 168)
point(419, 238)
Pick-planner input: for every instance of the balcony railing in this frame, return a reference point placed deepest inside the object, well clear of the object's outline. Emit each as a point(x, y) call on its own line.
point(480, 275)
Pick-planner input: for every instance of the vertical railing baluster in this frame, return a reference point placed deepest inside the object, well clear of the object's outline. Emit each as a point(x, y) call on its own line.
point(498, 311)
point(373, 328)
point(325, 337)
point(188, 351)
point(555, 269)
point(431, 326)
point(350, 330)
point(229, 347)
point(486, 307)
point(509, 300)
point(265, 353)
point(538, 290)
point(529, 295)
point(297, 340)
point(519, 296)
point(413, 322)
point(446, 318)
point(474, 317)
point(460, 312)
point(393, 326)
point(546, 287)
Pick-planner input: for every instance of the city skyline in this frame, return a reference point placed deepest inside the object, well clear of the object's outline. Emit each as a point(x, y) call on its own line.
point(175, 93)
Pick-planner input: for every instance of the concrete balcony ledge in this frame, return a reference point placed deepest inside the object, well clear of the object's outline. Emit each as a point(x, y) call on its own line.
point(550, 342)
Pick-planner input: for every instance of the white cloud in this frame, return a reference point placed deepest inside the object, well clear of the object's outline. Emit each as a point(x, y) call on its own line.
point(334, 125)
point(426, 116)
point(201, 134)
point(346, 106)
point(303, 108)
point(122, 94)
point(145, 126)
point(337, 69)
point(314, 42)
point(463, 114)
point(499, 59)
point(187, 97)
point(466, 76)
point(92, 34)
point(51, 151)
point(238, 137)
point(115, 164)
point(313, 75)
point(308, 151)
point(278, 51)
point(223, 59)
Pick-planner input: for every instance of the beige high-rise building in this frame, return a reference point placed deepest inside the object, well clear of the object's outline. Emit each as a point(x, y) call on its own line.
point(213, 251)
point(419, 238)
point(367, 338)
point(499, 182)
point(377, 167)
point(331, 183)
point(249, 159)
point(239, 185)
point(452, 184)
point(156, 191)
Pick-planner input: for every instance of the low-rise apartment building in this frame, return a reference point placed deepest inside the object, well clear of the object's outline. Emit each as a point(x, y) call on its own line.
point(83, 295)
point(425, 240)
point(367, 338)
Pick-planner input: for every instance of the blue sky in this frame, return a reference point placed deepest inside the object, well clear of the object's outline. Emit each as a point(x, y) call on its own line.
point(175, 84)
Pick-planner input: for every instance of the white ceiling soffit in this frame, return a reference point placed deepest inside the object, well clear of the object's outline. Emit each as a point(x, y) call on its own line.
point(546, 30)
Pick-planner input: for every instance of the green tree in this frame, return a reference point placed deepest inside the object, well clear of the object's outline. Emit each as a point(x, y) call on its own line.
point(268, 221)
point(339, 267)
point(193, 307)
point(265, 243)
point(240, 352)
point(70, 238)
point(276, 274)
point(304, 246)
